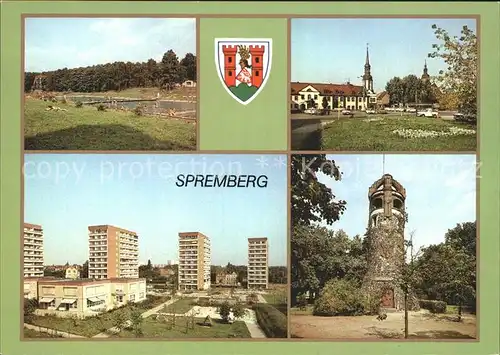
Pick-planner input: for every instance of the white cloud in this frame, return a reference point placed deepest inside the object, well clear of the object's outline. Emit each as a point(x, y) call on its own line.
point(107, 40)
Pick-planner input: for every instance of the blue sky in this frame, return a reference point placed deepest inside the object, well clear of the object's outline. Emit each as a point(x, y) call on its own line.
point(65, 193)
point(55, 43)
point(441, 191)
point(334, 50)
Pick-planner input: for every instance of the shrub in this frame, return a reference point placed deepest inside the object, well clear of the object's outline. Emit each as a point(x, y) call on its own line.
point(224, 311)
point(433, 306)
point(101, 107)
point(272, 321)
point(339, 297)
point(78, 104)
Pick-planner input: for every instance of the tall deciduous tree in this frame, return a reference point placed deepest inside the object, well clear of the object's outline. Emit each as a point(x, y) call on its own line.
point(460, 53)
point(189, 65)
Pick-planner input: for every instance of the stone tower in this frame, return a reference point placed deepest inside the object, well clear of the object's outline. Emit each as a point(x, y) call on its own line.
point(385, 241)
point(425, 74)
point(367, 76)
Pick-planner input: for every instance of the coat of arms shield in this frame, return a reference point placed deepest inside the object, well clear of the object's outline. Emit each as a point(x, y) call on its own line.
point(243, 66)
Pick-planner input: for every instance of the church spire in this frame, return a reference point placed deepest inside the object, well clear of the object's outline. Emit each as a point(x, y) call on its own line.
point(425, 74)
point(367, 62)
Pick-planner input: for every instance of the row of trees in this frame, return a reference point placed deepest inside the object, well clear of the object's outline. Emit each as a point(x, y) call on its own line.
point(410, 90)
point(119, 76)
point(445, 271)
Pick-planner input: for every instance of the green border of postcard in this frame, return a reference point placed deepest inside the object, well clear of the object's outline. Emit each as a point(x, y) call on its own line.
point(11, 173)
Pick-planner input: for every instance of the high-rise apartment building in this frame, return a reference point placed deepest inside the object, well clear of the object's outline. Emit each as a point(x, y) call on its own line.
point(258, 254)
point(33, 250)
point(194, 261)
point(113, 253)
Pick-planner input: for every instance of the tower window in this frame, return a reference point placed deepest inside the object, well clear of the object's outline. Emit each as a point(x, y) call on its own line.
point(257, 60)
point(229, 59)
point(230, 73)
point(398, 204)
point(257, 73)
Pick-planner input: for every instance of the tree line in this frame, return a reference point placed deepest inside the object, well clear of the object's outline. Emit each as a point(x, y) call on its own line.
point(119, 76)
point(410, 90)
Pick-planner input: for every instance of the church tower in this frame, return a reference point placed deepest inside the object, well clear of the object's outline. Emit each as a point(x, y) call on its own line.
point(425, 74)
point(385, 241)
point(367, 76)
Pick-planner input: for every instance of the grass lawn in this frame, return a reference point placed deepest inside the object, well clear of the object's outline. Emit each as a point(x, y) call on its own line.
point(145, 93)
point(278, 298)
point(164, 329)
point(180, 306)
point(86, 327)
point(30, 333)
point(86, 128)
point(358, 134)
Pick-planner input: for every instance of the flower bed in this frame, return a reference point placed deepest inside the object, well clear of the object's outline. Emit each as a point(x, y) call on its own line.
point(420, 133)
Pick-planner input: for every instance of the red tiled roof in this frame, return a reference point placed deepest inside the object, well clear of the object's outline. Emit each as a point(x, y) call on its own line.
point(328, 89)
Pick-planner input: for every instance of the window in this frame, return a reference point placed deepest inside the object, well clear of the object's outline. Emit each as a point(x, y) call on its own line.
point(141, 295)
point(119, 298)
point(309, 97)
point(296, 97)
point(230, 73)
point(132, 298)
point(257, 73)
point(229, 59)
point(257, 60)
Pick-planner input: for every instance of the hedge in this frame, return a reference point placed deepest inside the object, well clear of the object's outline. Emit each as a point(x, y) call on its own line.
point(272, 321)
point(433, 306)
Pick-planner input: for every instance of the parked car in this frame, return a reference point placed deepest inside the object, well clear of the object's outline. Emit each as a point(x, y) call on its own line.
point(428, 113)
point(411, 109)
point(347, 113)
point(311, 111)
point(370, 112)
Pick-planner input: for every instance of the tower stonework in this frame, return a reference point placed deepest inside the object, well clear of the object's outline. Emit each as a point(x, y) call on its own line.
point(385, 240)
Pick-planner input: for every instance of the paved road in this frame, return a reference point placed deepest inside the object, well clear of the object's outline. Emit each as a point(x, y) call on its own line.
point(52, 331)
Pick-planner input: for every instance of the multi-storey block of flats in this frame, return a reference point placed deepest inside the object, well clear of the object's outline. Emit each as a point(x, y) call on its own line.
point(113, 253)
point(194, 261)
point(258, 255)
point(33, 250)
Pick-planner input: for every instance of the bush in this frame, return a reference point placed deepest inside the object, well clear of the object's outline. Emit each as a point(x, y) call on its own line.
point(78, 104)
point(101, 107)
point(272, 321)
point(340, 297)
point(433, 306)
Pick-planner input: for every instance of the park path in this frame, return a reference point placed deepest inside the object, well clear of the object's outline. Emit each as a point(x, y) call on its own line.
point(144, 315)
point(261, 298)
point(52, 331)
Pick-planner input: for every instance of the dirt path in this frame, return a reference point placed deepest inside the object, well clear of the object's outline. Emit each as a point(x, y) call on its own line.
point(421, 325)
point(52, 331)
